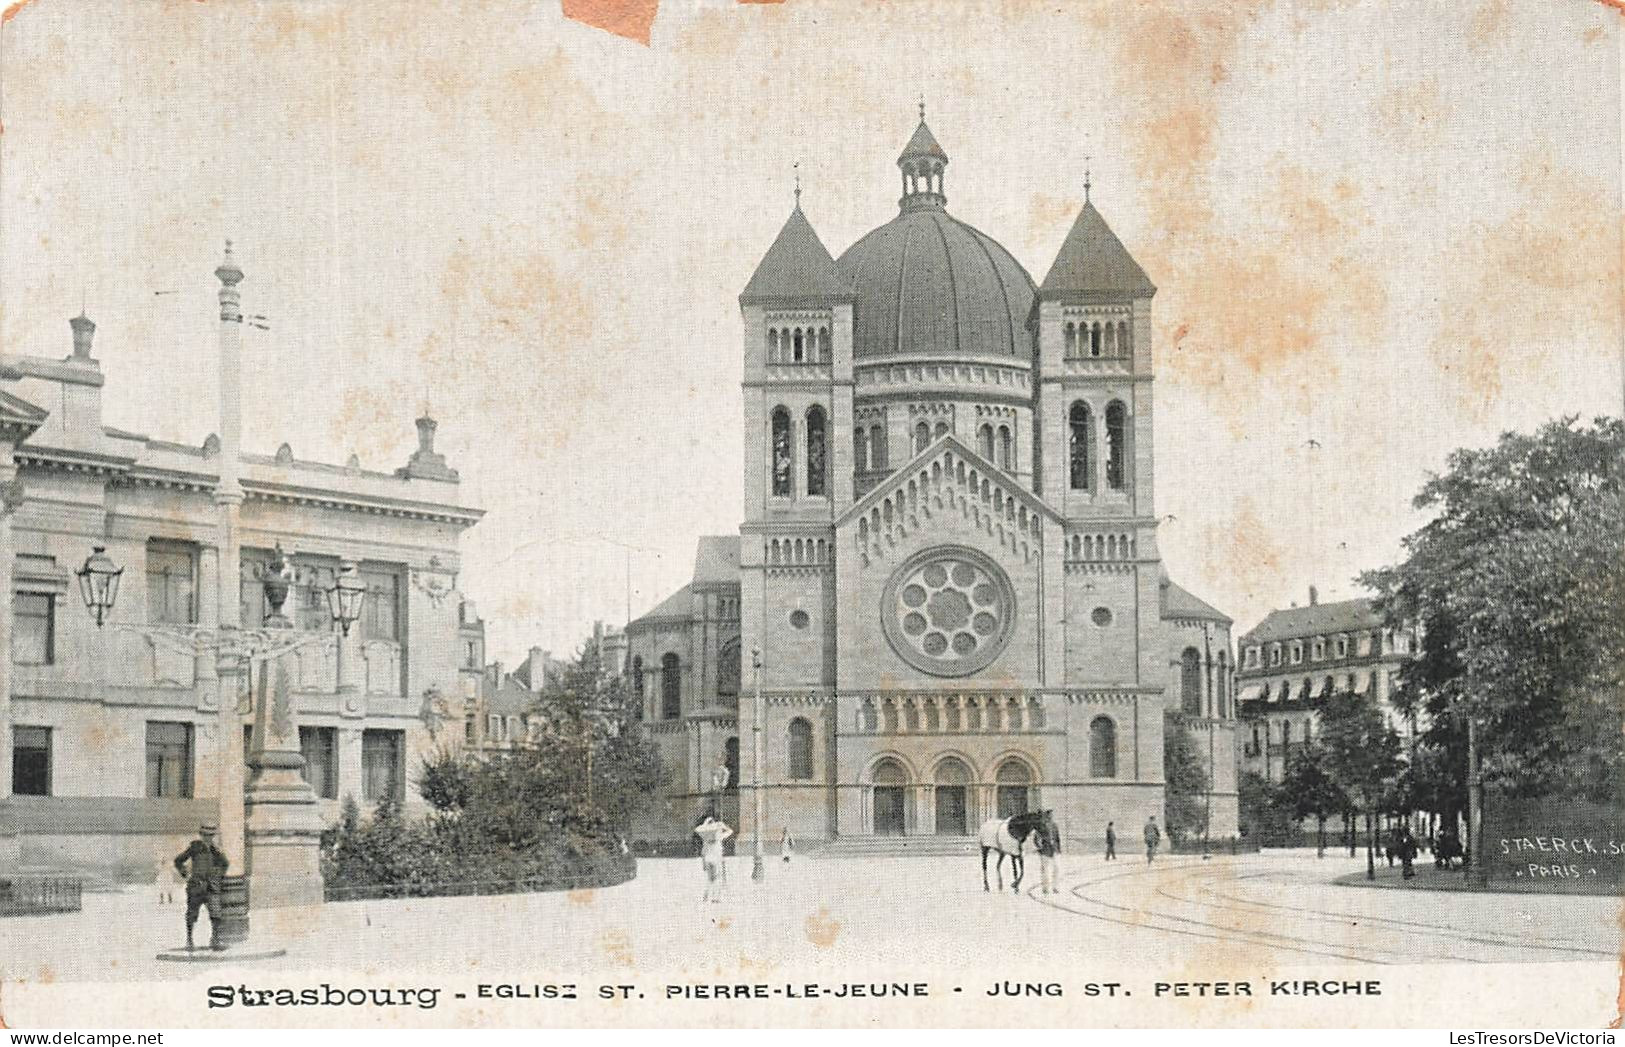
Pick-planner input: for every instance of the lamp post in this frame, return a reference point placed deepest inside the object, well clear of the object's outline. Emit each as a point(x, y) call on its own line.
point(758, 868)
point(98, 583)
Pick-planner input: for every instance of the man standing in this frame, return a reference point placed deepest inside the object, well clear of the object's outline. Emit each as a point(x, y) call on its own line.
point(207, 869)
point(1407, 852)
point(1111, 843)
point(1153, 836)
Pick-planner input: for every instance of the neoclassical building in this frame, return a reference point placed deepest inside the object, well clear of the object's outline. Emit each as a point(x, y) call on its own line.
point(948, 560)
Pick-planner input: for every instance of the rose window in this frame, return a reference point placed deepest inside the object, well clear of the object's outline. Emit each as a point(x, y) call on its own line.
point(948, 611)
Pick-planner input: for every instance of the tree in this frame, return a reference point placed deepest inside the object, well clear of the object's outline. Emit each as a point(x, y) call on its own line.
point(1307, 790)
point(1361, 758)
point(1186, 780)
point(1516, 583)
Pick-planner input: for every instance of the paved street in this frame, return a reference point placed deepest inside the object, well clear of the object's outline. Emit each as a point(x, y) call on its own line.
point(892, 912)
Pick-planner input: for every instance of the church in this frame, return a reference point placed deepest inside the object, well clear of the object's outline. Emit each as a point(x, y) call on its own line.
point(946, 586)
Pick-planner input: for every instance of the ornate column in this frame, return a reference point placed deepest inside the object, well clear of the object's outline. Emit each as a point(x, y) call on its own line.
point(282, 823)
point(228, 501)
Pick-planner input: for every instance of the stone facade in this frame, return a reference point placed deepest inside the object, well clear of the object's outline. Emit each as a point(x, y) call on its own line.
point(948, 561)
point(111, 757)
point(1296, 657)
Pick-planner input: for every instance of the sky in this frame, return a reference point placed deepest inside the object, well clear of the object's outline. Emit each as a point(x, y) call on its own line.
point(1380, 231)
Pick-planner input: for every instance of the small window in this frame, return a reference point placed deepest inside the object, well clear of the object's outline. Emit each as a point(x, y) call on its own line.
point(783, 455)
point(383, 765)
point(319, 747)
point(922, 437)
point(33, 629)
point(671, 688)
point(1342, 647)
point(1297, 653)
point(380, 611)
point(169, 760)
point(31, 761)
point(1317, 649)
point(1102, 748)
point(1275, 654)
point(171, 584)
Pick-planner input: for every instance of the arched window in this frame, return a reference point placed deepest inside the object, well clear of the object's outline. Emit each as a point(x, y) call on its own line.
point(922, 437)
point(1006, 449)
point(860, 449)
point(1116, 445)
point(1071, 340)
point(783, 454)
point(728, 667)
point(984, 441)
point(877, 447)
point(1012, 782)
point(772, 345)
point(940, 431)
point(1082, 444)
point(730, 760)
point(1123, 347)
point(799, 353)
point(1094, 340)
point(801, 755)
point(671, 688)
point(1190, 682)
point(1111, 339)
point(816, 446)
point(1102, 748)
point(823, 345)
point(1224, 684)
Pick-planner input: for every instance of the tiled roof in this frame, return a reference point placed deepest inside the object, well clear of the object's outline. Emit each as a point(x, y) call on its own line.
point(1178, 603)
point(1093, 259)
point(1315, 620)
point(796, 266)
point(679, 604)
point(717, 559)
point(923, 143)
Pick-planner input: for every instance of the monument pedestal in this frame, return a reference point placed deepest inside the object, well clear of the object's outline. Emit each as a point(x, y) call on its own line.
point(284, 834)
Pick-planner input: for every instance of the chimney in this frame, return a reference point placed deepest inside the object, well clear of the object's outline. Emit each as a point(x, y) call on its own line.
point(537, 665)
point(84, 329)
point(1314, 596)
point(425, 462)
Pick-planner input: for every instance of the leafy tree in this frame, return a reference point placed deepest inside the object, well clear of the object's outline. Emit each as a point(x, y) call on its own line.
point(1307, 790)
point(1185, 775)
point(1361, 758)
point(1516, 583)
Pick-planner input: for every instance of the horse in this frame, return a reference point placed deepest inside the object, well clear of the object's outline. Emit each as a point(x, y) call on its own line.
point(1009, 836)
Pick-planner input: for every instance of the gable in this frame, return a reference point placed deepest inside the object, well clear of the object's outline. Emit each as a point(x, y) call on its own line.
point(946, 478)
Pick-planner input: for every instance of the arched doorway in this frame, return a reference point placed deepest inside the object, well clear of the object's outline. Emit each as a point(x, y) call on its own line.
point(1013, 781)
point(890, 779)
point(953, 780)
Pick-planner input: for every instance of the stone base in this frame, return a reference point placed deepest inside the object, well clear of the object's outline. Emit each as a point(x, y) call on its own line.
point(284, 840)
point(242, 952)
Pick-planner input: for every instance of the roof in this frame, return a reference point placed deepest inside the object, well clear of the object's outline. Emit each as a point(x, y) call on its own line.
point(1176, 602)
point(716, 561)
point(923, 143)
point(1316, 619)
point(1092, 259)
point(928, 284)
point(679, 604)
point(796, 266)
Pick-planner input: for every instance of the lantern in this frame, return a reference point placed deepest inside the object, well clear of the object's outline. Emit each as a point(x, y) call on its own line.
point(98, 583)
point(344, 599)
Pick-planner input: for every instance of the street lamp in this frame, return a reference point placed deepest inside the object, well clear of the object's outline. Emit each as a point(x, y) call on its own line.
point(345, 597)
point(758, 869)
point(98, 583)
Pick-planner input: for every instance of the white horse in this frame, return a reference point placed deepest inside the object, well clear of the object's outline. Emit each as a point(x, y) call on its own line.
point(1010, 836)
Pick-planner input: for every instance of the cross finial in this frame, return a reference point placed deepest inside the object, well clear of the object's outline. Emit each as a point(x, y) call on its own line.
point(1085, 177)
point(922, 107)
point(796, 168)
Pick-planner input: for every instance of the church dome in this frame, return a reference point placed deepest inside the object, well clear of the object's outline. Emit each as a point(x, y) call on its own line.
point(927, 284)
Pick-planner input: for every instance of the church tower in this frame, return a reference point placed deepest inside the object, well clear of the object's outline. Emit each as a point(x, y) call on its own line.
point(1094, 405)
point(797, 316)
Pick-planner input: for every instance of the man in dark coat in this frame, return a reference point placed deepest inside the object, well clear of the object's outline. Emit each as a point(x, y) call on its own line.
point(1153, 836)
point(1111, 843)
point(204, 866)
point(1407, 852)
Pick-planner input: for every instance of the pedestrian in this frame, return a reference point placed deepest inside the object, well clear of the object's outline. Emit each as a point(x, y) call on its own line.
point(1407, 852)
point(712, 832)
point(204, 866)
point(1153, 836)
point(787, 845)
point(1111, 843)
point(1049, 845)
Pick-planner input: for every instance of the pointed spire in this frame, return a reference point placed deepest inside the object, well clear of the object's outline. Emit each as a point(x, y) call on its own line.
point(796, 266)
point(1094, 261)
